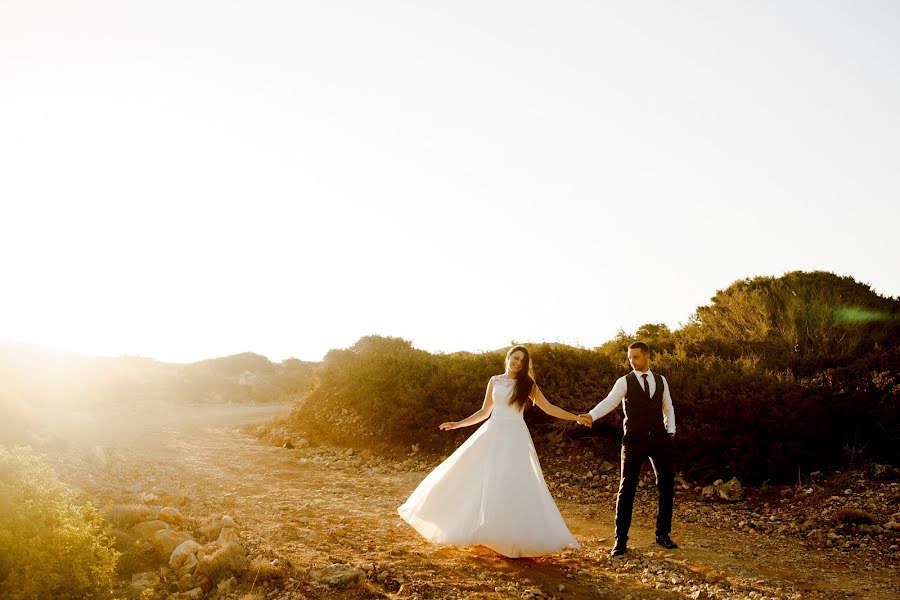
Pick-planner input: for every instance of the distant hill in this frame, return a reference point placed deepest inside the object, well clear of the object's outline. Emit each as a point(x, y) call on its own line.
point(34, 380)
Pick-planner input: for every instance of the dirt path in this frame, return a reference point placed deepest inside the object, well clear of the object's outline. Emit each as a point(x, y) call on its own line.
point(314, 507)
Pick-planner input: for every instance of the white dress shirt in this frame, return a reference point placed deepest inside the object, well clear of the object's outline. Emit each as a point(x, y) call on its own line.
point(617, 394)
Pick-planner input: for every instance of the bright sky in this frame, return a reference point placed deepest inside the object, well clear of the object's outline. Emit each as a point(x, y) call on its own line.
point(186, 180)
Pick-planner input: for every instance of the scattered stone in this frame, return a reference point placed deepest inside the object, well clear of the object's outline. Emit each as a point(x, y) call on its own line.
point(212, 527)
point(340, 575)
point(731, 491)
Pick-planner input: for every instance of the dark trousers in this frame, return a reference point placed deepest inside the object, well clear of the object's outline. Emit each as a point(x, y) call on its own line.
point(658, 448)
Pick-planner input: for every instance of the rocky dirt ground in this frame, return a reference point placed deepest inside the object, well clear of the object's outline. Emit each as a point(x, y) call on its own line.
point(321, 523)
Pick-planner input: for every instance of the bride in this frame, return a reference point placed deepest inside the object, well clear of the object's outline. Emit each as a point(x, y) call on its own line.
point(491, 490)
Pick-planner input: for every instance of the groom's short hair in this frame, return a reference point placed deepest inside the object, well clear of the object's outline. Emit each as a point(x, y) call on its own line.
point(639, 346)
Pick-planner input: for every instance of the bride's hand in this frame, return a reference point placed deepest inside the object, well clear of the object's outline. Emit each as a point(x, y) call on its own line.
point(448, 426)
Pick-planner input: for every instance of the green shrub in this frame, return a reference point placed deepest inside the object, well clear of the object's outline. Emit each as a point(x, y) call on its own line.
point(776, 375)
point(50, 547)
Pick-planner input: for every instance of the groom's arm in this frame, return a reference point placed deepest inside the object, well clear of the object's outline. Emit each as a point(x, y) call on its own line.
point(611, 401)
point(668, 408)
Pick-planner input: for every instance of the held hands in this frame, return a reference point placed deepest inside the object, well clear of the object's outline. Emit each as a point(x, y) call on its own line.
point(448, 426)
point(585, 419)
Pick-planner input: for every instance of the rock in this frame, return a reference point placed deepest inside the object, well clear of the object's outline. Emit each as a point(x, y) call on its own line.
point(149, 497)
point(181, 553)
point(194, 594)
point(167, 540)
point(731, 491)
point(189, 564)
point(212, 527)
point(148, 529)
point(170, 515)
point(699, 594)
point(340, 575)
point(708, 492)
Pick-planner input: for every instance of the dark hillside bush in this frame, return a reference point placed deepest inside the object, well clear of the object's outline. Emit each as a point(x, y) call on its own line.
point(776, 375)
point(802, 321)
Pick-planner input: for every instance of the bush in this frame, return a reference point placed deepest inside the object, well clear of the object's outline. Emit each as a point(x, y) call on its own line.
point(776, 375)
point(51, 547)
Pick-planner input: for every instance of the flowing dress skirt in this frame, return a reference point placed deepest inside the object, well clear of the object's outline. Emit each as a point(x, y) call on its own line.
point(490, 491)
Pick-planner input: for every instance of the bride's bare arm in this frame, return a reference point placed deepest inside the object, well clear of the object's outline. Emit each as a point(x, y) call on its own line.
point(478, 416)
point(537, 396)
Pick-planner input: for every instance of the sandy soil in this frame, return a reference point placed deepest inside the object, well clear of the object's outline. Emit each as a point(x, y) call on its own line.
point(317, 506)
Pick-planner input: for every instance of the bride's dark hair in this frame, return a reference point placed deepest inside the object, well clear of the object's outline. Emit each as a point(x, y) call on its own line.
point(524, 380)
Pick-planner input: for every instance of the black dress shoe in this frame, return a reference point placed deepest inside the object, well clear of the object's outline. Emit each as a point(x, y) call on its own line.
point(618, 551)
point(666, 542)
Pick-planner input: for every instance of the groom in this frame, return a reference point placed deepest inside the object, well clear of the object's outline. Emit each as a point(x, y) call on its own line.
point(649, 428)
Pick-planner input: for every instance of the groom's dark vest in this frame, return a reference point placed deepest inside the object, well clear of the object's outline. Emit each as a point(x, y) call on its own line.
point(643, 413)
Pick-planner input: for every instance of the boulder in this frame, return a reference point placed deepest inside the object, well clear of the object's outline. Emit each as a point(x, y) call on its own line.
point(170, 515)
point(166, 540)
point(148, 529)
point(181, 553)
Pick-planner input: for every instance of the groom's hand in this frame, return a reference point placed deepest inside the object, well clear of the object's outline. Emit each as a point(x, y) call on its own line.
point(585, 419)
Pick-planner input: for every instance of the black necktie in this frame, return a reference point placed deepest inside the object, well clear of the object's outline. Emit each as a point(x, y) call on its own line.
point(646, 384)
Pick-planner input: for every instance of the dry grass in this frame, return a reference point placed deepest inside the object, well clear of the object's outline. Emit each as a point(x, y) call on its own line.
point(252, 596)
point(137, 555)
point(229, 557)
point(854, 515)
point(263, 570)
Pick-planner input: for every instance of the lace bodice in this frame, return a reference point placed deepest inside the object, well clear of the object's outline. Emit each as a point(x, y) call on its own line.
point(502, 390)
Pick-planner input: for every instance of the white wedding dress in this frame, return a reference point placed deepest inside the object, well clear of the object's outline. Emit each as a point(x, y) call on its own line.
point(491, 491)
